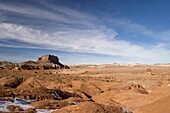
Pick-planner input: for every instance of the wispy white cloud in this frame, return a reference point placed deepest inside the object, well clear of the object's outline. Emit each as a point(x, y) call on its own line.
point(57, 14)
point(31, 11)
point(94, 41)
point(165, 35)
point(92, 37)
point(134, 27)
point(138, 29)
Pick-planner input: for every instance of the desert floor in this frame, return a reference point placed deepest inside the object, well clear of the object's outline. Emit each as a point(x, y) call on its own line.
point(84, 89)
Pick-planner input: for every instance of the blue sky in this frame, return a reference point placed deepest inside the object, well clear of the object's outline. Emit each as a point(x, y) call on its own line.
point(86, 31)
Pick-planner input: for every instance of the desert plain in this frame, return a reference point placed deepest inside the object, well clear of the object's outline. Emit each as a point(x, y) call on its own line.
point(109, 88)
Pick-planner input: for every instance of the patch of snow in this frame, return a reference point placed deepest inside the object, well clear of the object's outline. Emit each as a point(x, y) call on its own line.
point(17, 102)
point(3, 106)
point(44, 111)
point(20, 101)
point(24, 104)
point(75, 103)
point(125, 110)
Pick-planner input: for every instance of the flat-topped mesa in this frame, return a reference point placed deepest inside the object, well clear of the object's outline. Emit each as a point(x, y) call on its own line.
point(43, 62)
point(48, 59)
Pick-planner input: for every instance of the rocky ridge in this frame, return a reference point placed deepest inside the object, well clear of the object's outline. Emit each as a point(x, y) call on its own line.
point(43, 62)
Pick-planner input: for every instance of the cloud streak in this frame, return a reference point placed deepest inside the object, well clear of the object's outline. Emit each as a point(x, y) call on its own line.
point(57, 14)
point(86, 34)
point(134, 28)
point(94, 41)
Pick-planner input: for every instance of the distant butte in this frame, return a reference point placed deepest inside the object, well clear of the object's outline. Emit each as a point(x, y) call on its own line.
point(43, 62)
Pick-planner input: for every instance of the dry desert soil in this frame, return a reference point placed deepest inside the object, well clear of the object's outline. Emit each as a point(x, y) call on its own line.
point(89, 89)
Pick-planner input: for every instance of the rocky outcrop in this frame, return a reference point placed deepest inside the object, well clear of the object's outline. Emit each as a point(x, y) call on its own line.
point(56, 104)
point(48, 59)
point(31, 88)
point(43, 62)
point(7, 65)
point(11, 81)
point(90, 89)
point(89, 107)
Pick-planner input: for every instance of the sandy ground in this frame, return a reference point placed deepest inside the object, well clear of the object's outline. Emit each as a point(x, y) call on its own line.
point(94, 89)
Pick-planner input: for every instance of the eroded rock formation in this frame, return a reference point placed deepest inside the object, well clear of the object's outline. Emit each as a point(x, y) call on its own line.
point(43, 62)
